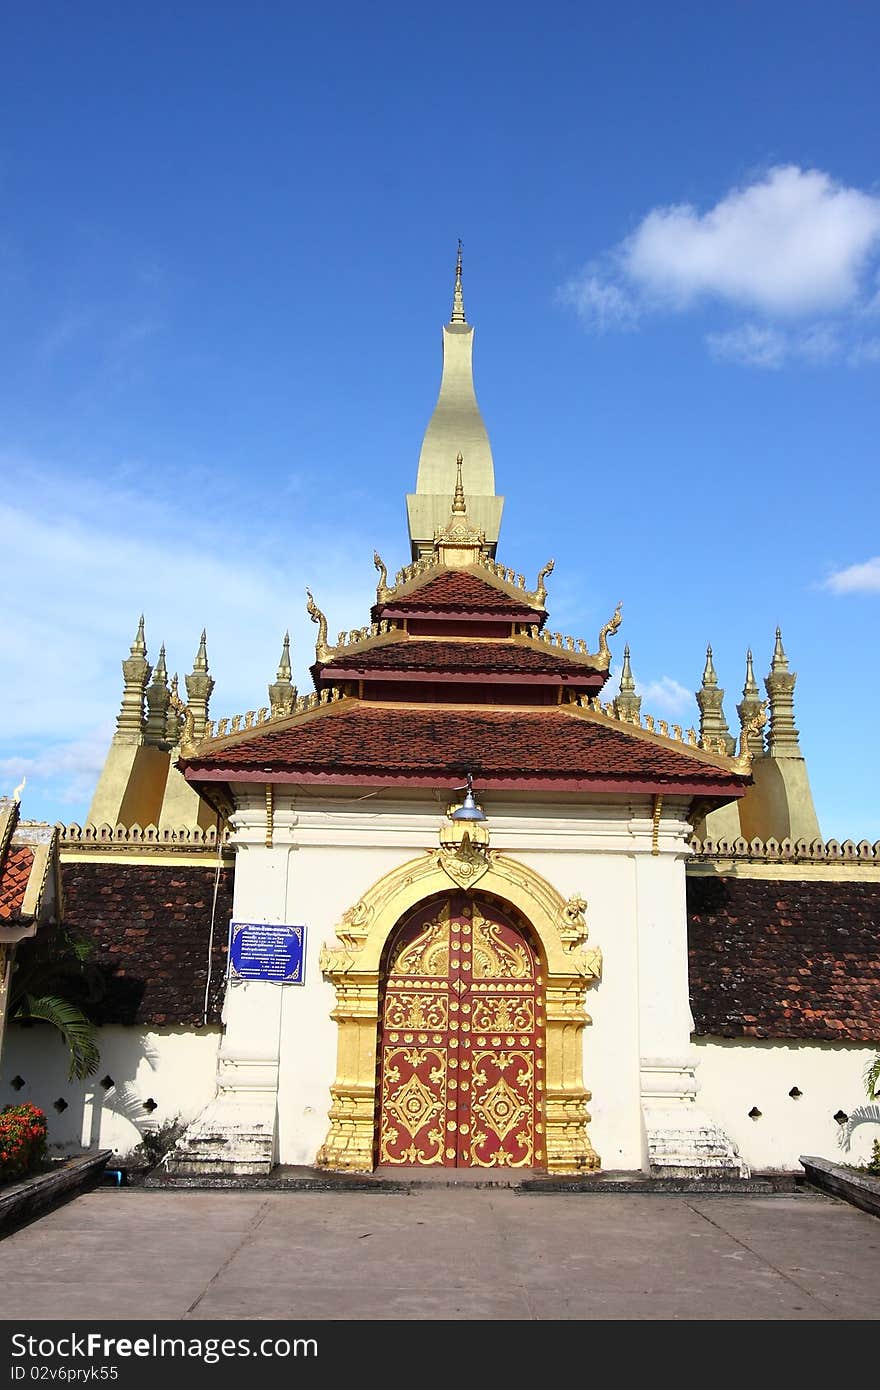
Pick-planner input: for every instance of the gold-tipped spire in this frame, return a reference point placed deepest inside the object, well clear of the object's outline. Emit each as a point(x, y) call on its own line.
point(158, 697)
point(201, 661)
point(750, 709)
point(282, 694)
point(459, 505)
point(627, 704)
point(784, 738)
point(780, 660)
point(136, 671)
point(283, 673)
point(751, 685)
point(710, 696)
point(457, 296)
point(198, 690)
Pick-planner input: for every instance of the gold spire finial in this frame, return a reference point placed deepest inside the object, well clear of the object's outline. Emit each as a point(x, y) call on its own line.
point(710, 678)
point(780, 660)
point(282, 694)
point(283, 673)
point(751, 685)
point(627, 704)
point(201, 661)
point(458, 503)
point(139, 646)
point(457, 297)
point(627, 683)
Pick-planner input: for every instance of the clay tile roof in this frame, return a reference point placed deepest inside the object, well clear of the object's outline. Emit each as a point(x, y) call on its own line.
point(785, 958)
point(14, 880)
point(464, 657)
point(501, 745)
point(458, 591)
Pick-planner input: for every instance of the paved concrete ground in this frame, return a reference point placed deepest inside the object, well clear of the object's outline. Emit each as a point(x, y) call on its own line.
point(443, 1253)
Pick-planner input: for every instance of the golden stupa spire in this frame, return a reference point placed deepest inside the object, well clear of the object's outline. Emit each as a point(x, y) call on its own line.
point(457, 296)
point(627, 704)
point(282, 693)
point(710, 696)
point(459, 505)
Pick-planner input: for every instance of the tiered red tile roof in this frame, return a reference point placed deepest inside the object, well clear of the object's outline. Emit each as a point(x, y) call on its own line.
point(464, 657)
point(457, 591)
point(478, 694)
point(559, 747)
point(14, 875)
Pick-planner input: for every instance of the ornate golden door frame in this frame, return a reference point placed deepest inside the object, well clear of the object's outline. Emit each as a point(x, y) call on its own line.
point(354, 969)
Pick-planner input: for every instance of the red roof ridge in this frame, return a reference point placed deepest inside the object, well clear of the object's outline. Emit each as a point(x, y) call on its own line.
point(308, 707)
point(494, 575)
point(681, 745)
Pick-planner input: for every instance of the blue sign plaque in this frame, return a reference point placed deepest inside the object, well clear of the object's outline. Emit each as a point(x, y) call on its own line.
point(265, 951)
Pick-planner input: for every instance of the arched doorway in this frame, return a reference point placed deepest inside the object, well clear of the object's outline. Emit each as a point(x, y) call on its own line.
point(353, 965)
point(460, 1059)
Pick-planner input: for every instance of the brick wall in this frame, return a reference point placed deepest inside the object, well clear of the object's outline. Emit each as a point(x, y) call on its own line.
point(149, 928)
point(785, 958)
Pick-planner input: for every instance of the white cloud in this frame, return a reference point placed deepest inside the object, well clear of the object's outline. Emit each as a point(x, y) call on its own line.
point(793, 244)
point(762, 345)
point(601, 302)
point(856, 579)
point(753, 345)
point(665, 695)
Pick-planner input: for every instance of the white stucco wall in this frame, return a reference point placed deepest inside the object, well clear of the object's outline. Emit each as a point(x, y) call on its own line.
point(175, 1067)
point(738, 1075)
point(326, 855)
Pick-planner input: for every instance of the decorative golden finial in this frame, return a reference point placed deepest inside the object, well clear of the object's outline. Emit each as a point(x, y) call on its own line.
point(751, 734)
point(282, 695)
point(540, 586)
point(627, 704)
point(458, 503)
point(382, 590)
point(714, 729)
point(198, 692)
point(779, 663)
point(749, 709)
point(751, 685)
point(603, 656)
point(457, 297)
point(283, 673)
point(201, 661)
point(157, 697)
point(783, 740)
point(139, 646)
point(322, 649)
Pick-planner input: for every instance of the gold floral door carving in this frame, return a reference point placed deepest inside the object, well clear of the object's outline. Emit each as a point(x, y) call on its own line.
point(461, 1047)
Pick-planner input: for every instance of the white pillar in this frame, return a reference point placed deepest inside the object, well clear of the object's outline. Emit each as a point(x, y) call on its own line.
point(237, 1133)
point(679, 1138)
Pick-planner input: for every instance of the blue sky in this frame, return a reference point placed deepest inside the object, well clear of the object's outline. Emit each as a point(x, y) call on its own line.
point(227, 240)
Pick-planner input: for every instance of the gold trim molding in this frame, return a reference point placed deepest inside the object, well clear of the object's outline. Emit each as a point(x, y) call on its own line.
point(353, 967)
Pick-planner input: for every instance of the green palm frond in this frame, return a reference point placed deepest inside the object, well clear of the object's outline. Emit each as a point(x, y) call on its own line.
point(76, 1029)
point(872, 1079)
